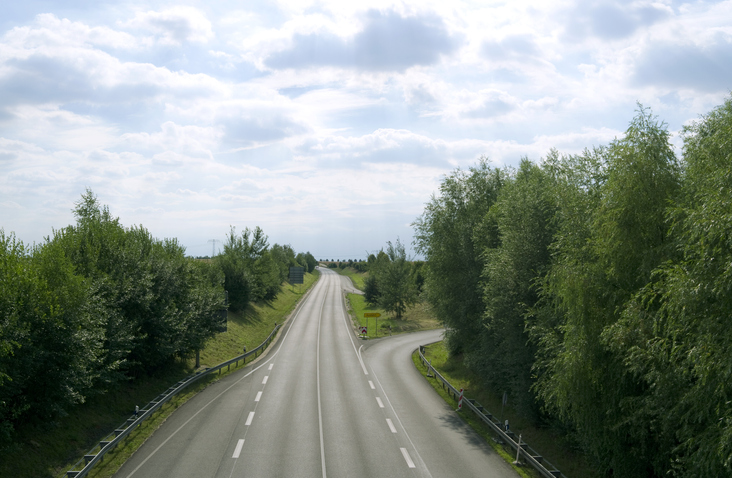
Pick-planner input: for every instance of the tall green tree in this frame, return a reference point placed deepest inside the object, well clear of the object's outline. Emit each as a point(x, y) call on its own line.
point(237, 262)
point(524, 215)
point(623, 240)
point(397, 290)
point(675, 337)
point(451, 235)
point(51, 335)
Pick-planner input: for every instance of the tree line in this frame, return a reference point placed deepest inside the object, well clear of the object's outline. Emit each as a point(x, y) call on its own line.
point(596, 289)
point(98, 304)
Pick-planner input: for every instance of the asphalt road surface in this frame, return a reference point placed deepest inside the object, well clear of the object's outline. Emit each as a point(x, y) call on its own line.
point(321, 403)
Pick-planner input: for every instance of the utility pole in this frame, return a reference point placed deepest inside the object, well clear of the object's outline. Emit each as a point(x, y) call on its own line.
point(213, 248)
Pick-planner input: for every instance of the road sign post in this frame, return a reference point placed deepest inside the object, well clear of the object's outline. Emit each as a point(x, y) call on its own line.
point(376, 320)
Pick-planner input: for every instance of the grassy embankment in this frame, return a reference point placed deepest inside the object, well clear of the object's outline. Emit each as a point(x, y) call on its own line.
point(49, 449)
point(414, 319)
point(550, 444)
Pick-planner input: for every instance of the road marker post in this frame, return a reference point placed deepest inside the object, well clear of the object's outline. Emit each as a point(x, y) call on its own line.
point(518, 449)
point(460, 401)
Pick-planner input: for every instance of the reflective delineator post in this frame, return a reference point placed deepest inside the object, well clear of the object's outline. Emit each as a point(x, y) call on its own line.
point(460, 401)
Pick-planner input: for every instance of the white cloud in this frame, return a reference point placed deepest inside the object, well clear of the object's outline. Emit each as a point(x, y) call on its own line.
point(317, 119)
point(176, 25)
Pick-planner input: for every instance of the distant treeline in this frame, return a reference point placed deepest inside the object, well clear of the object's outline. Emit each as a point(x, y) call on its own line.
point(596, 289)
point(98, 304)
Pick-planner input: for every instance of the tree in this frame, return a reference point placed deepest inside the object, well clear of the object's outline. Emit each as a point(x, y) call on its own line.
point(450, 235)
point(237, 263)
point(614, 236)
point(396, 289)
point(675, 336)
point(51, 335)
point(524, 216)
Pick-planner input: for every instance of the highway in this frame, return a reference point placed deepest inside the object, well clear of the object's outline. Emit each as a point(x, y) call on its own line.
point(321, 403)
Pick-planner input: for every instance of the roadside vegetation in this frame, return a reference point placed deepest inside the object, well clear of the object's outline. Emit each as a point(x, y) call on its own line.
point(391, 286)
point(595, 290)
point(100, 315)
point(553, 444)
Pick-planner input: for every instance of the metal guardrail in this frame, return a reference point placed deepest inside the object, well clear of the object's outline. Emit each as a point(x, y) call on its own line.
point(530, 456)
point(97, 453)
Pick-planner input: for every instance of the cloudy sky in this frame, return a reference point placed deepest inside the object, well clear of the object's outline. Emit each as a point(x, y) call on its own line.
point(328, 123)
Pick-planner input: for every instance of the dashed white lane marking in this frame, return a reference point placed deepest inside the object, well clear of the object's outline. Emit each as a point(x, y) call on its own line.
point(238, 448)
point(270, 366)
point(264, 381)
point(408, 458)
point(371, 384)
point(378, 400)
point(391, 425)
point(259, 395)
point(249, 419)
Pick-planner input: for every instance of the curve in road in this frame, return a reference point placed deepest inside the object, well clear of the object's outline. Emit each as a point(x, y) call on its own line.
point(321, 403)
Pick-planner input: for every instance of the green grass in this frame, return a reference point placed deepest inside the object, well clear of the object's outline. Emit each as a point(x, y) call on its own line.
point(547, 442)
point(356, 277)
point(50, 449)
point(417, 317)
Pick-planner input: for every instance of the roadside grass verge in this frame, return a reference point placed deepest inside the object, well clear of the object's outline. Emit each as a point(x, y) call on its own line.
point(356, 277)
point(417, 317)
point(49, 449)
point(548, 442)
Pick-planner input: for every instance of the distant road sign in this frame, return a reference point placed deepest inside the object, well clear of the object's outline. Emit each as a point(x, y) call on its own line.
point(297, 275)
point(363, 329)
point(372, 314)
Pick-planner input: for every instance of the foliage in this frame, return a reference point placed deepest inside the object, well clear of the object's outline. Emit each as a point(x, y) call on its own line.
point(451, 235)
point(597, 286)
point(524, 218)
point(396, 289)
point(97, 304)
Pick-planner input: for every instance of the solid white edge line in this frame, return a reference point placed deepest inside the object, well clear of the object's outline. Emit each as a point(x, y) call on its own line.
point(259, 395)
point(408, 458)
point(249, 419)
point(238, 448)
point(391, 425)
